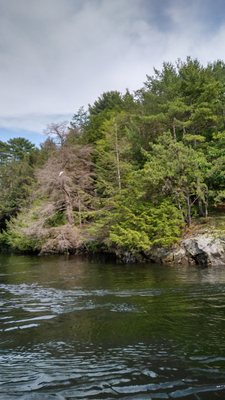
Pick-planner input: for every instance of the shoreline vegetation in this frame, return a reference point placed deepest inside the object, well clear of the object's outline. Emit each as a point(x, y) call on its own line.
point(135, 175)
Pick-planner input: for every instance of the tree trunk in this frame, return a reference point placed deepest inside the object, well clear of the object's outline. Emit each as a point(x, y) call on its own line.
point(69, 212)
point(79, 212)
point(188, 210)
point(174, 130)
point(68, 205)
point(206, 208)
point(117, 157)
point(200, 208)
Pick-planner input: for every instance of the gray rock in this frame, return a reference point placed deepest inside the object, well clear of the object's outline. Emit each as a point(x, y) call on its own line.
point(202, 249)
point(180, 256)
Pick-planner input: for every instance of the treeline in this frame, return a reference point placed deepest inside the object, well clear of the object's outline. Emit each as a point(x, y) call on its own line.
point(125, 175)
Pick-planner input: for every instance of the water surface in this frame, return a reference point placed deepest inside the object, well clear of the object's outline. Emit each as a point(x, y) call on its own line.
point(72, 329)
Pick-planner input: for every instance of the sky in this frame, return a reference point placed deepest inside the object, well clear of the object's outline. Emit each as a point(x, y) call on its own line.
point(59, 55)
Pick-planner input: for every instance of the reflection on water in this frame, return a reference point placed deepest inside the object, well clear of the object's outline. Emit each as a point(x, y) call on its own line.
point(70, 329)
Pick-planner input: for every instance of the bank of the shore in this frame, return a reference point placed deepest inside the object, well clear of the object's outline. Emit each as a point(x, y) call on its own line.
point(202, 244)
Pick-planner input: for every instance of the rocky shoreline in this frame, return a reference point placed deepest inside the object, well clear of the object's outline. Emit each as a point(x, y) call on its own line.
point(200, 249)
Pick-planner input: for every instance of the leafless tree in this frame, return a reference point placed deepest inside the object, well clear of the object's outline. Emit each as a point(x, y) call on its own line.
point(66, 178)
point(58, 131)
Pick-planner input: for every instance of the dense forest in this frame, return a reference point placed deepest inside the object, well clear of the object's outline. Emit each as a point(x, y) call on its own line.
point(126, 175)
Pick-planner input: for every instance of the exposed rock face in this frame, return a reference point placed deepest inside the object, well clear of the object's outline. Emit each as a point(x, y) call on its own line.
point(202, 249)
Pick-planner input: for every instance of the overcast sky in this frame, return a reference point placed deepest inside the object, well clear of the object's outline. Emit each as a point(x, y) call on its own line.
point(57, 55)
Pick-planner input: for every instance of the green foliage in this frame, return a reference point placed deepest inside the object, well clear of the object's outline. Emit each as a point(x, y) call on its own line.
point(113, 159)
point(20, 234)
point(18, 158)
point(176, 171)
point(141, 229)
point(128, 173)
point(20, 148)
point(56, 219)
point(136, 225)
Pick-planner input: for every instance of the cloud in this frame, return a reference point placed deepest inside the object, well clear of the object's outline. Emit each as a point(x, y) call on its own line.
point(57, 55)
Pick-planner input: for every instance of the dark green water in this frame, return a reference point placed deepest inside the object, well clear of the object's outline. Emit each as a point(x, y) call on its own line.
point(70, 329)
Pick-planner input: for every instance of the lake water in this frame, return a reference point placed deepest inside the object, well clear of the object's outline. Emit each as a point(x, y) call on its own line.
point(74, 329)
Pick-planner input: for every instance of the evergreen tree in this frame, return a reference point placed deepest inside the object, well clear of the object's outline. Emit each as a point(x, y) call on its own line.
point(128, 173)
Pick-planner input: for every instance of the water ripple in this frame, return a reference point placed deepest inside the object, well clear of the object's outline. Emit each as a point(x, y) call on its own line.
point(138, 338)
